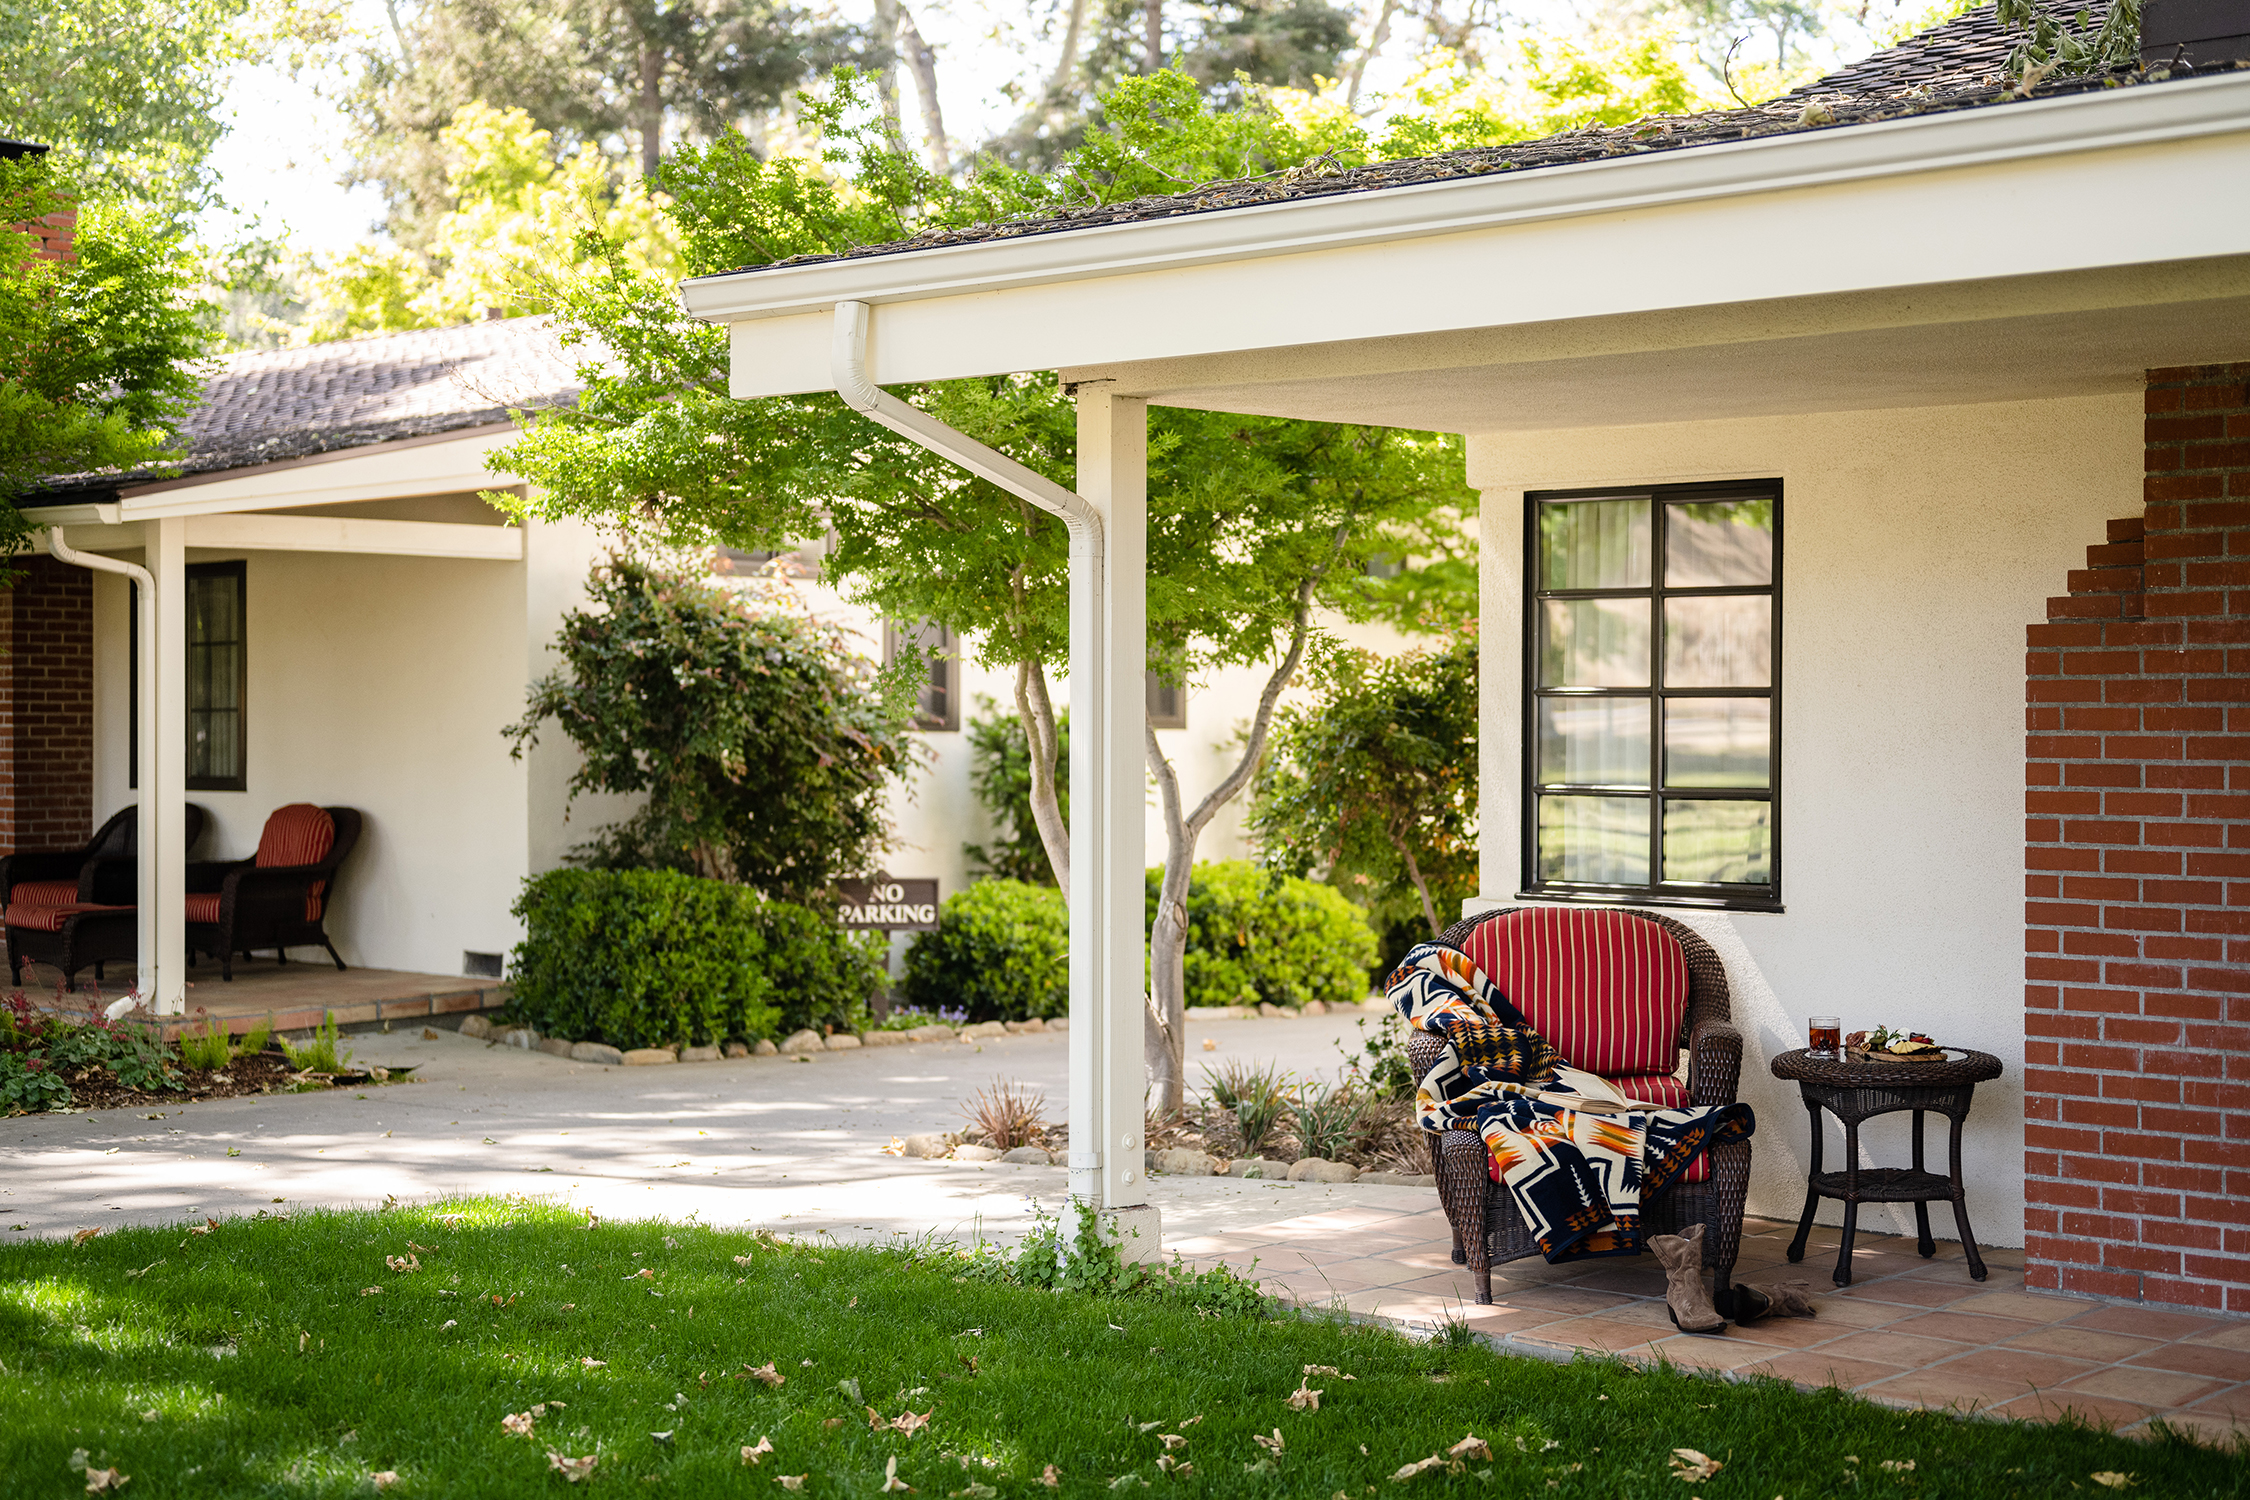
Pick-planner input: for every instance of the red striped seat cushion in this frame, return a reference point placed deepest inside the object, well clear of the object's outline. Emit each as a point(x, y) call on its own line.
point(1608, 988)
point(51, 918)
point(45, 893)
point(203, 906)
point(299, 834)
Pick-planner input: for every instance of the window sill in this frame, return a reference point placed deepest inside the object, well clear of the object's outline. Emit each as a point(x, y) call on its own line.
point(1678, 903)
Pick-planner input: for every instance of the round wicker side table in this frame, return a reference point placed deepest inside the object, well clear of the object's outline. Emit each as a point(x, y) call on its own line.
point(1854, 1091)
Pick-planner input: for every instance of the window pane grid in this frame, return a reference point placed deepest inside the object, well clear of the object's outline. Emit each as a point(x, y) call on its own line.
point(1653, 719)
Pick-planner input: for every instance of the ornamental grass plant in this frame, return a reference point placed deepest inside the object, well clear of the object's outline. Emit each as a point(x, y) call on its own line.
point(489, 1348)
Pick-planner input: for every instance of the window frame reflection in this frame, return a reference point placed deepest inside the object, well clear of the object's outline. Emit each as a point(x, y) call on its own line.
point(1662, 503)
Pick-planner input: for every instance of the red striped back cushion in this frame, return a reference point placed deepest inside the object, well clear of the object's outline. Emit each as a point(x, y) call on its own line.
point(1608, 988)
point(299, 834)
point(45, 893)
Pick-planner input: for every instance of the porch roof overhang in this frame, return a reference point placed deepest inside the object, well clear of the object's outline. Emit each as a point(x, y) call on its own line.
point(2047, 246)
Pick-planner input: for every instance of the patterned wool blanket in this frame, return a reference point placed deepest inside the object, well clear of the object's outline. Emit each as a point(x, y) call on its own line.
point(1578, 1165)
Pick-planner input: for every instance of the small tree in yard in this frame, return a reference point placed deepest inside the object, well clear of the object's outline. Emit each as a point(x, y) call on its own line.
point(1373, 785)
point(763, 744)
point(1000, 774)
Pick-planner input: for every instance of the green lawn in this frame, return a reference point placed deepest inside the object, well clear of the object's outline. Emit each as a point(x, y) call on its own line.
point(253, 1360)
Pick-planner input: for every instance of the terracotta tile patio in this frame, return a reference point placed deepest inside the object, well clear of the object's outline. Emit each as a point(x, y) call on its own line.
point(297, 995)
point(1908, 1331)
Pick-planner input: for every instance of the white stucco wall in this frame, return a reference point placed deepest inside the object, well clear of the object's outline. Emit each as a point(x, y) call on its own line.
point(380, 683)
point(1917, 545)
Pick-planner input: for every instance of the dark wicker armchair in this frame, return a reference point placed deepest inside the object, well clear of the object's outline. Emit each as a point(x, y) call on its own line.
point(1486, 1225)
point(280, 897)
point(74, 907)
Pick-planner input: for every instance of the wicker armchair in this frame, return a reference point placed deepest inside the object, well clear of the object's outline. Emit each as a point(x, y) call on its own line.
point(74, 907)
point(1486, 1225)
point(278, 898)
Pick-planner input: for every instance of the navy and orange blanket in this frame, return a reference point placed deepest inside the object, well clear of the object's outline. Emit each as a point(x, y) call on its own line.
point(1579, 1166)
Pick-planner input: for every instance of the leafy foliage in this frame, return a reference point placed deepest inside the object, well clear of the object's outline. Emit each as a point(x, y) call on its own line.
point(1256, 1094)
point(1373, 786)
point(1332, 1118)
point(319, 1053)
point(1258, 937)
point(43, 1054)
point(763, 743)
point(645, 958)
point(2074, 46)
point(1001, 952)
point(102, 349)
point(1006, 1115)
point(1000, 775)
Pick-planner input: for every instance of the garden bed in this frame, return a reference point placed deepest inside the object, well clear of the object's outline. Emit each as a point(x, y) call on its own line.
point(506, 1348)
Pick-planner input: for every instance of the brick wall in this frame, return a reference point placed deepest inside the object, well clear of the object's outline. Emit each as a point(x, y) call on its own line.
point(2137, 879)
point(47, 707)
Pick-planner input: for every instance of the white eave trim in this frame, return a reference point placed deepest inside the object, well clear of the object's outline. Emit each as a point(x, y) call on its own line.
point(2132, 116)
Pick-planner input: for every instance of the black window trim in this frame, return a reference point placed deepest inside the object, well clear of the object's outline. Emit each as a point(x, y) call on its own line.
point(936, 643)
point(1765, 898)
point(239, 569)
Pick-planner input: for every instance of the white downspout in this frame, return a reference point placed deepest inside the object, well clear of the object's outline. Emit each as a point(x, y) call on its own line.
point(147, 982)
point(1108, 1092)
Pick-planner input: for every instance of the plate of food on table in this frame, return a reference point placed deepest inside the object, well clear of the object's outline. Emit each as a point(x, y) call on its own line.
point(1884, 1044)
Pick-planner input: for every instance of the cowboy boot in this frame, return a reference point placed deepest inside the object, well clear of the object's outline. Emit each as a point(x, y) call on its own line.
point(1685, 1299)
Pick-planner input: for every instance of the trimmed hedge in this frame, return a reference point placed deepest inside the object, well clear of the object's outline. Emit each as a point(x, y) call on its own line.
point(655, 958)
point(1255, 936)
point(1001, 952)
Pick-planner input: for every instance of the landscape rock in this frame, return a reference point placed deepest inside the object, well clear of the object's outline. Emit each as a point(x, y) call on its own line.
point(1034, 1024)
point(519, 1036)
point(931, 1033)
point(555, 1045)
point(843, 1041)
point(885, 1039)
point(1313, 1008)
point(807, 1040)
point(1183, 1161)
point(738, 1049)
point(701, 1054)
point(983, 1029)
point(596, 1052)
point(1058, 1023)
point(1320, 1169)
point(1270, 1010)
point(476, 1026)
point(764, 1048)
point(975, 1153)
point(1029, 1156)
point(1257, 1166)
point(650, 1057)
point(1216, 1012)
point(928, 1147)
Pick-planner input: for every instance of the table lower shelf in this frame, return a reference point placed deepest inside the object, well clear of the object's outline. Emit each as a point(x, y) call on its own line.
point(1885, 1185)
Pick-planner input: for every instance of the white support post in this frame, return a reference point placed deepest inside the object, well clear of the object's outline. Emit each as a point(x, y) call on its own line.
point(163, 755)
point(1108, 664)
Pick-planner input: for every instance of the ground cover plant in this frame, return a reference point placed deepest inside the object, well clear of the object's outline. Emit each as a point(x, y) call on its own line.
point(51, 1059)
point(507, 1348)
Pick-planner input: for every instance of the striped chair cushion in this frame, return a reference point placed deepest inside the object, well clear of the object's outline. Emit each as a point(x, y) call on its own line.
point(1608, 988)
point(45, 893)
point(203, 906)
point(51, 918)
point(299, 834)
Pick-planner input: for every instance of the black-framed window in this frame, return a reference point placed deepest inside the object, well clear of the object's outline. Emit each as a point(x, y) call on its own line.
point(1167, 702)
point(218, 679)
point(1652, 711)
point(939, 698)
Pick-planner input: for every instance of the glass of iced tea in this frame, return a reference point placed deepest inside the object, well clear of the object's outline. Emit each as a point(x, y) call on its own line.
point(1827, 1036)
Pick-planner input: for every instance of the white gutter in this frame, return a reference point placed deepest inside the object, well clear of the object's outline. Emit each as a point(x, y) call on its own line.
point(848, 366)
point(1914, 145)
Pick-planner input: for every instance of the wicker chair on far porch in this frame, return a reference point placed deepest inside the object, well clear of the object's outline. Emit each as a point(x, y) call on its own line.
point(65, 905)
point(1606, 987)
point(278, 898)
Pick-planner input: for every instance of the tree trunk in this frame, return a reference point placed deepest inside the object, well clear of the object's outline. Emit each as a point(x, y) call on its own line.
point(1152, 27)
point(1074, 32)
point(1166, 1033)
point(1414, 873)
point(1375, 40)
point(921, 61)
point(398, 30)
point(886, 77)
point(651, 110)
point(1036, 711)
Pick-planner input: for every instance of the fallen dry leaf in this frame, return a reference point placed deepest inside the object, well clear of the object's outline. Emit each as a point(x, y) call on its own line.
point(765, 1372)
point(643, 1274)
point(205, 1227)
point(1897, 1466)
point(572, 1469)
point(790, 1481)
point(98, 1480)
point(383, 1480)
point(742, 1260)
point(1303, 1398)
point(1419, 1466)
point(897, 1147)
point(370, 1291)
point(1471, 1446)
point(591, 1363)
point(1270, 1444)
point(80, 1238)
point(404, 1264)
point(977, 1491)
point(891, 1481)
point(517, 1422)
point(910, 1423)
point(752, 1455)
point(1171, 1440)
point(2108, 1479)
point(449, 1323)
point(1328, 1370)
point(1050, 1478)
point(1689, 1466)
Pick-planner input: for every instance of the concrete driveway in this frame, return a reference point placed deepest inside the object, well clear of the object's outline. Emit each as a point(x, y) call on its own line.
point(794, 1146)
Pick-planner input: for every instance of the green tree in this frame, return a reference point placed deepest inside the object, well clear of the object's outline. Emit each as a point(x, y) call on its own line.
point(1000, 774)
point(1372, 786)
point(2048, 42)
point(762, 743)
point(103, 349)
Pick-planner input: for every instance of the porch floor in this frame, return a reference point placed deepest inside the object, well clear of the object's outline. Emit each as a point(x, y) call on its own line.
point(297, 994)
point(1908, 1331)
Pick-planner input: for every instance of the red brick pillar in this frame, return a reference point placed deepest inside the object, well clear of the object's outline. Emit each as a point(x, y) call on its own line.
point(47, 707)
point(2137, 879)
